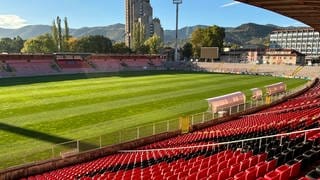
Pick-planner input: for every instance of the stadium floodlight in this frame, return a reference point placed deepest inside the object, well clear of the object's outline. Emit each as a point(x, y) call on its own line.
point(177, 2)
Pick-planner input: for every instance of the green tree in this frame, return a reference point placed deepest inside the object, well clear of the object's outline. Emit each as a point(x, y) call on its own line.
point(234, 46)
point(154, 44)
point(266, 42)
point(66, 34)
point(72, 44)
point(54, 32)
point(17, 44)
point(61, 38)
point(143, 49)
point(138, 36)
point(207, 37)
point(60, 43)
point(94, 44)
point(121, 48)
point(187, 50)
point(41, 44)
point(5, 44)
point(13, 45)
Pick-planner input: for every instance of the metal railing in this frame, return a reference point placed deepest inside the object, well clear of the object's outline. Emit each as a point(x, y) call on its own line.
point(209, 116)
point(64, 149)
point(280, 137)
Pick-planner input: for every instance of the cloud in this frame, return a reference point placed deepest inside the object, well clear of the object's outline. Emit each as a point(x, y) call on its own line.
point(11, 21)
point(230, 4)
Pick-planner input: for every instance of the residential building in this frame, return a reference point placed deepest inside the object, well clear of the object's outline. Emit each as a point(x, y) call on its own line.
point(140, 11)
point(157, 28)
point(253, 56)
point(283, 56)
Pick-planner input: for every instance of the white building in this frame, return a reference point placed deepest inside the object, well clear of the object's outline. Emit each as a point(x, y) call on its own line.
point(303, 40)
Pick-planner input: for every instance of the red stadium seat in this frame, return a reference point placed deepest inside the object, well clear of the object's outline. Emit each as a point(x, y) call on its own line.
point(222, 165)
point(202, 173)
point(284, 172)
point(244, 164)
point(234, 169)
point(295, 167)
point(240, 176)
point(272, 175)
point(251, 173)
point(262, 157)
point(224, 174)
point(253, 161)
point(261, 169)
point(214, 176)
point(271, 165)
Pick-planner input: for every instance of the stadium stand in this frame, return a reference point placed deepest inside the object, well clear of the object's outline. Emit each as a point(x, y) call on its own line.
point(157, 62)
point(309, 71)
point(105, 63)
point(263, 69)
point(255, 146)
point(15, 65)
point(24, 65)
point(73, 63)
point(114, 63)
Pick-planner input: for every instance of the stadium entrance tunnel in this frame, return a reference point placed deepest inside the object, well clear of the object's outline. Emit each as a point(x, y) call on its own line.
point(43, 136)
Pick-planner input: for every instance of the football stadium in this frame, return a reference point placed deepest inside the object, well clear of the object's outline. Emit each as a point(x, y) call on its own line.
point(139, 116)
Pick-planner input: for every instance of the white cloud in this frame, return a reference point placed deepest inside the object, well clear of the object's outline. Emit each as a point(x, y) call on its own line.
point(230, 4)
point(11, 21)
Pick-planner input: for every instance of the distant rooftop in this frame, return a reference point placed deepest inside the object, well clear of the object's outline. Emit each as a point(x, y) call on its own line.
point(294, 29)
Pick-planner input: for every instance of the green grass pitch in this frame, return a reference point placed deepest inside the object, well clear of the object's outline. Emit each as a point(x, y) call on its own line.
point(42, 111)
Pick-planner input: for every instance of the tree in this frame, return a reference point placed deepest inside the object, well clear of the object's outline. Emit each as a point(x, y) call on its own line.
point(138, 36)
point(143, 49)
point(17, 44)
point(60, 39)
point(121, 48)
point(154, 44)
point(72, 44)
point(11, 45)
point(54, 32)
point(66, 34)
point(207, 37)
point(266, 42)
point(94, 44)
point(59, 34)
point(41, 44)
point(187, 50)
point(234, 46)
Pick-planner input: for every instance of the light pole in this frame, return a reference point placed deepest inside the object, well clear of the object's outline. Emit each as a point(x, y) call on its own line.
point(177, 2)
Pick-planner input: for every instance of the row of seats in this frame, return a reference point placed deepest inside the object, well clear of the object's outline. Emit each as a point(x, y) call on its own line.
point(48, 67)
point(200, 163)
point(278, 70)
point(112, 65)
point(28, 68)
point(313, 174)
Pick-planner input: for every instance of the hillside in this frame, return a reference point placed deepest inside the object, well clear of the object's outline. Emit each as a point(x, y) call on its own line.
point(250, 33)
point(245, 34)
point(115, 32)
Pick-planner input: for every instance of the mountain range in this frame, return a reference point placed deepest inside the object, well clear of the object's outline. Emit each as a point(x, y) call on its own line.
point(245, 34)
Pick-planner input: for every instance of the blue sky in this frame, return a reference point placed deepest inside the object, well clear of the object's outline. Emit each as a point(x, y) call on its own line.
point(88, 13)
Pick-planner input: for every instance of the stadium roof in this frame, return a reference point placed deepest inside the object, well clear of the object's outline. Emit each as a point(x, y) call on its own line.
point(306, 11)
